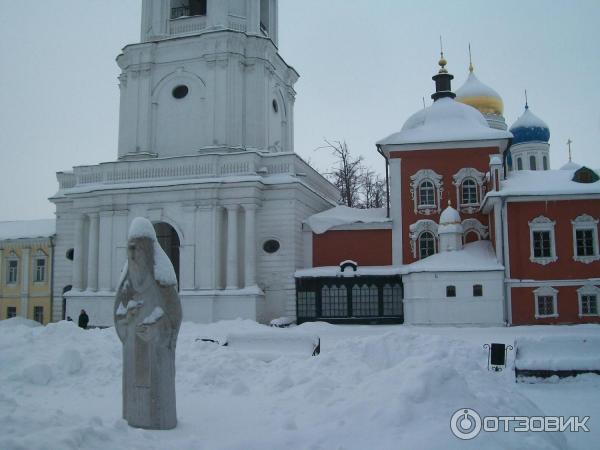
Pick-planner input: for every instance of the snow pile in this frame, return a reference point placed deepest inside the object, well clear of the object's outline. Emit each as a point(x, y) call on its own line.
point(371, 387)
point(24, 229)
point(344, 215)
point(18, 322)
point(270, 344)
point(164, 272)
point(558, 353)
point(445, 120)
point(475, 256)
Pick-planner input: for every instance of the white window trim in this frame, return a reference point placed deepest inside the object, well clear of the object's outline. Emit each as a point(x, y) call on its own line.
point(459, 178)
point(546, 291)
point(476, 226)
point(585, 222)
point(12, 257)
point(542, 223)
point(415, 182)
point(418, 228)
point(588, 289)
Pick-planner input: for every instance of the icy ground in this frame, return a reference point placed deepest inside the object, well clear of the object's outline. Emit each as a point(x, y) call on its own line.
point(372, 387)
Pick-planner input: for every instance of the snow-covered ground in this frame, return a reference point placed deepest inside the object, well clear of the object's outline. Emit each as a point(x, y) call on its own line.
point(372, 387)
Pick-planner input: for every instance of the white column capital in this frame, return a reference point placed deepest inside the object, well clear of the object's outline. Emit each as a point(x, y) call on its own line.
point(250, 206)
point(231, 208)
point(106, 213)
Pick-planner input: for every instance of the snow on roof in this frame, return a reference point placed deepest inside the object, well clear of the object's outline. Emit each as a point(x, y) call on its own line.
point(27, 229)
point(445, 121)
point(571, 165)
point(344, 215)
point(475, 256)
point(544, 182)
point(361, 271)
point(475, 88)
point(528, 120)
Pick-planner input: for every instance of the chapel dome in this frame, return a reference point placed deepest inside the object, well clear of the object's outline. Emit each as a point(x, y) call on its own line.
point(529, 128)
point(449, 216)
point(480, 96)
point(445, 120)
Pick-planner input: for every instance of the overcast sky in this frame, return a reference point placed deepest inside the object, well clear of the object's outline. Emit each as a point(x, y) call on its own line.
point(364, 68)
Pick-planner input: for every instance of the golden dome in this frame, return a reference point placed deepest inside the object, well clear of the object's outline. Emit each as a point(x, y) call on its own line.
point(481, 97)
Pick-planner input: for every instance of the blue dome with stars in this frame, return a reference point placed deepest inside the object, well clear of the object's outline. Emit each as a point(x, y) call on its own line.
point(530, 128)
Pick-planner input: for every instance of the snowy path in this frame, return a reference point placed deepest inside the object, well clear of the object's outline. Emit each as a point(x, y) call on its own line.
point(372, 387)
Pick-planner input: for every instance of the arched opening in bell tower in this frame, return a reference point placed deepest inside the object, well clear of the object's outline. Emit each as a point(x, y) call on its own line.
point(186, 8)
point(168, 239)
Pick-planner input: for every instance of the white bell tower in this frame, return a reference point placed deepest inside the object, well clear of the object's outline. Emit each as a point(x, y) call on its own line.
point(205, 78)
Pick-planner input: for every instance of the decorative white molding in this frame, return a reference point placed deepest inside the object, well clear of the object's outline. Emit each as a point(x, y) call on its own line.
point(418, 228)
point(546, 291)
point(475, 225)
point(585, 222)
point(415, 182)
point(588, 289)
point(459, 178)
point(542, 223)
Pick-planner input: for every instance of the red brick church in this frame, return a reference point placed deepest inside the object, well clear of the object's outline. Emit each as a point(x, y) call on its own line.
point(478, 229)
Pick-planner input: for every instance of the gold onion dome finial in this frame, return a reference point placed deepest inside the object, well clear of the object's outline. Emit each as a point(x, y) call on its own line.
point(442, 62)
point(478, 95)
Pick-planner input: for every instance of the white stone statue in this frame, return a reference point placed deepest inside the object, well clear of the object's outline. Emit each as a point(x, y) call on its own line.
point(147, 316)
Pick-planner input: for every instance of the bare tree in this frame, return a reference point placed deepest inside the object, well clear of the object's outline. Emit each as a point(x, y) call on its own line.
point(360, 186)
point(346, 174)
point(372, 189)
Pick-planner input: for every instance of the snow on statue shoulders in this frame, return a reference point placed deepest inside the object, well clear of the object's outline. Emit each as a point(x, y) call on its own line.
point(147, 316)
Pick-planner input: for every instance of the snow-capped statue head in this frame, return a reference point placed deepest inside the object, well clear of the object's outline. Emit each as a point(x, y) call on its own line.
point(145, 255)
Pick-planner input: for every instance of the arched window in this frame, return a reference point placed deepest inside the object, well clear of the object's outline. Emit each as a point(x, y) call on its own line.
point(426, 194)
point(185, 8)
point(545, 162)
point(469, 192)
point(519, 164)
point(532, 163)
point(334, 301)
point(426, 245)
point(365, 300)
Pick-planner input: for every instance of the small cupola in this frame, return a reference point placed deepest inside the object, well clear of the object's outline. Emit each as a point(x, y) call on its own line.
point(450, 230)
point(443, 81)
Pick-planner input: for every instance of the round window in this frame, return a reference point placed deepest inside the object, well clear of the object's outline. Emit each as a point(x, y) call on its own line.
point(180, 91)
point(70, 254)
point(275, 105)
point(271, 246)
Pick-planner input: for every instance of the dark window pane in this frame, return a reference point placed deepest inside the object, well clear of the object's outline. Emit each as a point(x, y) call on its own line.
point(585, 242)
point(541, 244)
point(545, 305)
point(450, 291)
point(477, 290)
point(426, 245)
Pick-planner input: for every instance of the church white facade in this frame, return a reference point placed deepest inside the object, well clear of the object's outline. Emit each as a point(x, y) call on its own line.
point(205, 152)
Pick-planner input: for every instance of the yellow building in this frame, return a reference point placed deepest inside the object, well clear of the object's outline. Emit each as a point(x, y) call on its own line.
point(26, 256)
